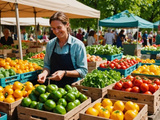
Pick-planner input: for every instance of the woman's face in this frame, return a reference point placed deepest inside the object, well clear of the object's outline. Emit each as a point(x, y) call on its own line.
point(59, 29)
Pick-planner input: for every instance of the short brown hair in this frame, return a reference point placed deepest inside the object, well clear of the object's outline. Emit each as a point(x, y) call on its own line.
point(61, 17)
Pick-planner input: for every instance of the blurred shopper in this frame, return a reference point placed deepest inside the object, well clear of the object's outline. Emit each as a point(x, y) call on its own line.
point(115, 37)
point(79, 34)
point(45, 37)
point(109, 37)
point(40, 36)
point(120, 38)
point(6, 39)
point(150, 36)
point(144, 37)
point(91, 40)
point(31, 38)
point(158, 38)
point(24, 35)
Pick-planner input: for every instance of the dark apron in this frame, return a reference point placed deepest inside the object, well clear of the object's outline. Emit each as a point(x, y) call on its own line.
point(62, 62)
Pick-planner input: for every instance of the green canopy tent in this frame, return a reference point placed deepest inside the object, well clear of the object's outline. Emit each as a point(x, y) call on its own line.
point(125, 20)
point(156, 24)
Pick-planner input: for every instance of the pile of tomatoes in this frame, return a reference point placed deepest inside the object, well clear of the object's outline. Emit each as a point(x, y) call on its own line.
point(117, 110)
point(138, 84)
point(17, 91)
point(119, 64)
point(39, 56)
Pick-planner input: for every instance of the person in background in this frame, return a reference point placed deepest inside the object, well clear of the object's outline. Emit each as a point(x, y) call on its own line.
point(31, 38)
point(6, 39)
point(24, 35)
point(130, 36)
point(158, 38)
point(120, 38)
point(40, 36)
point(79, 34)
point(150, 36)
point(65, 59)
point(45, 37)
point(109, 37)
point(144, 37)
point(51, 35)
point(91, 39)
point(115, 37)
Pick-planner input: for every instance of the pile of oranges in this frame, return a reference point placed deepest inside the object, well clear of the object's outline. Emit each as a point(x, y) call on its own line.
point(17, 91)
point(18, 65)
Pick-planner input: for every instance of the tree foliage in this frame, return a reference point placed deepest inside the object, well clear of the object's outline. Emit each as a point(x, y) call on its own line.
point(147, 9)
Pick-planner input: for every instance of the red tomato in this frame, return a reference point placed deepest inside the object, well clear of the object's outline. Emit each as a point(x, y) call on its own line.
point(157, 81)
point(138, 82)
point(102, 65)
point(130, 77)
point(108, 62)
point(118, 86)
point(144, 87)
point(112, 65)
point(128, 89)
point(153, 87)
point(127, 84)
point(148, 92)
point(124, 67)
point(135, 89)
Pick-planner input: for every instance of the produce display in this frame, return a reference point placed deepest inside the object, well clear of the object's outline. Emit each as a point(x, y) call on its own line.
point(39, 62)
point(17, 91)
point(93, 58)
point(54, 99)
point(148, 69)
point(103, 50)
point(101, 79)
point(39, 56)
point(147, 61)
point(138, 84)
point(124, 63)
point(29, 55)
point(19, 66)
point(114, 111)
point(6, 72)
point(151, 48)
point(6, 47)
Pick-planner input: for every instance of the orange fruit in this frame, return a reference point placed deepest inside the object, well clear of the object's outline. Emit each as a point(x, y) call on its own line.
point(7, 67)
point(17, 85)
point(31, 69)
point(106, 102)
point(1, 89)
point(18, 93)
point(12, 63)
point(2, 63)
point(8, 59)
point(17, 66)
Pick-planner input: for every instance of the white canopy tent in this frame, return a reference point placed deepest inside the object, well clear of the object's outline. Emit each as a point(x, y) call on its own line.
point(26, 21)
point(44, 8)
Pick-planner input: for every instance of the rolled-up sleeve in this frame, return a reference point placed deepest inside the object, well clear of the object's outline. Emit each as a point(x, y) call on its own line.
point(47, 57)
point(81, 60)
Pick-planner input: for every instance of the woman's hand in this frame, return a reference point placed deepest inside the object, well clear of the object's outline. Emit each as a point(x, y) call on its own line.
point(58, 75)
point(41, 78)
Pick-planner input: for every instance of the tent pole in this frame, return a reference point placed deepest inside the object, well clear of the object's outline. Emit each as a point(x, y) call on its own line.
point(35, 26)
point(18, 29)
point(98, 31)
point(0, 24)
point(152, 34)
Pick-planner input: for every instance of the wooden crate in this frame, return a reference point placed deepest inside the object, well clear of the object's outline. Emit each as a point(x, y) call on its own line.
point(1, 51)
point(94, 65)
point(39, 49)
point(5, 51)
point(153, 101)
point(34, 50)
point(94, 93)
point(25, 113)
point(10, 109)
point(142, 115)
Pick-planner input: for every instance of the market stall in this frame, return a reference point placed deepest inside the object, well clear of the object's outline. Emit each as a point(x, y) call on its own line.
point(127, 20)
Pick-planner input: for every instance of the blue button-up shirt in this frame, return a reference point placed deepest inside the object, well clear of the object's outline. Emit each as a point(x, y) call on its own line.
point(77, 50)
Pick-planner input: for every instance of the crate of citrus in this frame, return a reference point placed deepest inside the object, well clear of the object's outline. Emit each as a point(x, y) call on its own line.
point(110, 109)
point(11, 96)
point(148, 70)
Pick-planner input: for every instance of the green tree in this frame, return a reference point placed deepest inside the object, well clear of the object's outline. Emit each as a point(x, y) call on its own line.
point(112, 7)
